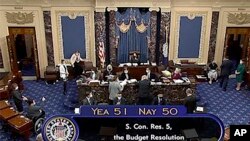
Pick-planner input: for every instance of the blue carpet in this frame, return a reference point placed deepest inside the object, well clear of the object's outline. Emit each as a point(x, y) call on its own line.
point(232, 107)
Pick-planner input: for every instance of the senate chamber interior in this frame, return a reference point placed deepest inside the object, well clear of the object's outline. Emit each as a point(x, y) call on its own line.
point(59, 55)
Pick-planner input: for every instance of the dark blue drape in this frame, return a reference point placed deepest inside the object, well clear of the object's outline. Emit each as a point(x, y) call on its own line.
point(132, 40)
point(73, 34)
point(189, 40)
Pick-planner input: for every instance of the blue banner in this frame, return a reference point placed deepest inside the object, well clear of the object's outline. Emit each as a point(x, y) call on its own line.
point(132, 111)
point(133, 122)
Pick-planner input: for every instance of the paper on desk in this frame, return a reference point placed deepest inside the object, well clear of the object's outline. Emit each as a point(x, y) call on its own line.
point(132, 81)
point(178, 81)
point(153, 64)
point(77, 110)
point(121, 65)
point(200, 76)
point(123, 83)
point(129, 64)
point(185, 79)
point(200, 109)
point(201, 63)
point(135, 64)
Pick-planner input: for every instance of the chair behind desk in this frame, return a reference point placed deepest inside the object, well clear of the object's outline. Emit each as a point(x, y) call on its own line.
point(51, 74)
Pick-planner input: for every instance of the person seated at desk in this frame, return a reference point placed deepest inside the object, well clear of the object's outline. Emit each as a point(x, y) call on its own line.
point(190, 101)
point(18, 98)
point(94, 75)
point(75, 62)
point(159, 100)
point(125, 74)
point(119, 100)
point(89, 100)
point(108, 73)
point(151, 76)
point(177, 74)
point(134, 58)
point(34, 112)
point(212, 72)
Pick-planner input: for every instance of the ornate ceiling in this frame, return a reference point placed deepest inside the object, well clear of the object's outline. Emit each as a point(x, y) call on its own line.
point(121, 3)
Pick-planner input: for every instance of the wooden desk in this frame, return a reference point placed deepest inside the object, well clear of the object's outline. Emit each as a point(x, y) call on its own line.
point(136, 72)
point(4, 94)
point(174, 93)
point(4, 105)
point(7, 113)
point(191, 69)
point(21, 125)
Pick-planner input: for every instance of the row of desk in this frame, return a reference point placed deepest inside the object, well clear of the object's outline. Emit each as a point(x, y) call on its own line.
point(17, 122)
point(173, 93)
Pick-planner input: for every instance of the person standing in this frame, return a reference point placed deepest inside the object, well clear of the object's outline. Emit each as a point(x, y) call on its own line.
point(114, 88)
point(64, 75)
point(144, 91)
point(240, 74)
point(190, 101)
point(18, 98)
point(226, 69)
point(75, 62)
point(151, 76)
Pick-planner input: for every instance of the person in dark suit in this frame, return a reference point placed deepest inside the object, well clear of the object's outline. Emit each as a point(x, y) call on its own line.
point(226, 69)
point(151, 76)
point(144, 97)
point(119, 100)
point(89, 100)
point(190, 101)
point(125, 74)
point(18, 98)
point(135, 58)
point(159, 100)
point(34, 112)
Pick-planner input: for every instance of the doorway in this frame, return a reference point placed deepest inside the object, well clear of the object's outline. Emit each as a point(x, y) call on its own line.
point(237, 45)
point(23, 51)
point(25, 55)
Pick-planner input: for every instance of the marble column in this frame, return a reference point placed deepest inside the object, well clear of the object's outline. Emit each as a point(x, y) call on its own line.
point(164, 31)
point(152, 44)
point(112, 37)
point(48, 37)
point(100, 33)
point(213, 33)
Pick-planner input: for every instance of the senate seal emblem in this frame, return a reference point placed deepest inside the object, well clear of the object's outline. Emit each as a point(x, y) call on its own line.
point(60, 129)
